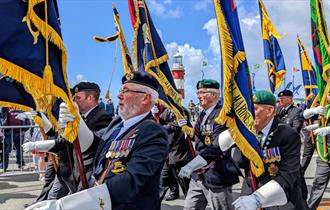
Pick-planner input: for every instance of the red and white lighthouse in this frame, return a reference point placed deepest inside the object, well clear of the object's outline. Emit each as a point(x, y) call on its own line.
point(178, 73)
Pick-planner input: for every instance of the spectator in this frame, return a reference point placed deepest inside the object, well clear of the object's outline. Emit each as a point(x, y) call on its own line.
point(101, 103)
point(109, 107)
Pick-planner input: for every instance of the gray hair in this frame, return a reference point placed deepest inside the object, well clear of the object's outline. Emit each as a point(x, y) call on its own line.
point(153, 93)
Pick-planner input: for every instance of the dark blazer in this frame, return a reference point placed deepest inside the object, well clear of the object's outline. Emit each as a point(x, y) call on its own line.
point(138, 186)
point(96, 120)
point(219, 172)
point(292, 116)
point(180, 152)
point(288, 176)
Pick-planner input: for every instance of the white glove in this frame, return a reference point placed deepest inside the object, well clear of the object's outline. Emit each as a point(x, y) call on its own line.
point(64, 116)
point(249, 202)
point(311, 127)
point(26, 115)
point(196, 163)
point(45, 205)
point(93, 198)
point(182, 122)
point(322, 131)
point(40, 146)
point(308, 113)
point(46, 123)
point(270, 194)
point(225, 140)
point(1, 133)
point(154, 110)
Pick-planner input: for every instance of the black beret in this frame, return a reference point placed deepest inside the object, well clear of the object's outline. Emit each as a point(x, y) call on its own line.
point(208, 83)
point(86, 86)
point(285, 93)
point(141, 78)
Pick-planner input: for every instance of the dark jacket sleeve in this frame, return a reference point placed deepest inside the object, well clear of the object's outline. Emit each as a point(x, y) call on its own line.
point(146, 158)
point(290, 162)
point(298, 120)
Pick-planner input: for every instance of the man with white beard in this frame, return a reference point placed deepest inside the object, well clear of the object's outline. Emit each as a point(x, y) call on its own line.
point(130, 155)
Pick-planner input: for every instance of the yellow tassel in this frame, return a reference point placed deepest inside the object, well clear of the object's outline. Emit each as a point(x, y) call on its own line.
point(189, 131)
point(107, 94)
point(48, 79)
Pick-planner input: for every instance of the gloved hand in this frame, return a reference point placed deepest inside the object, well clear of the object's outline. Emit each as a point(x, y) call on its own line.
point(46, 123)
point(322, 131)
point(247, 202)
point(311, 127)
point(182, 122)
point(1, 133)
point(64, 116)
point(26, 115)
point(154, 109)
point(45, 205)
point(40, 146)
point(308, 113)
point(196, 163)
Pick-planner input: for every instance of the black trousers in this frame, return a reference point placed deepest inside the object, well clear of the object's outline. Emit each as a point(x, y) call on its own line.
point(170, 179)
point(49, 178)
point(320, 182)
point(308, 152)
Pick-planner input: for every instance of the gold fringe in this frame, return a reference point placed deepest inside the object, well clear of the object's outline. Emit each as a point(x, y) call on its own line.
point(15, 106)
point(48, 79)
point(107, 94)
point(188, 130)
point(230, 64)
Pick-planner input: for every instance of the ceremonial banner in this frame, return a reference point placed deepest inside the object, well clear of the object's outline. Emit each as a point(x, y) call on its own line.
point(126, 56)
point(150, 56)
point(237, 112)
point(33, 53)
point(322, 65)
point(272, 52)
point(308, 75)
point(13, 94)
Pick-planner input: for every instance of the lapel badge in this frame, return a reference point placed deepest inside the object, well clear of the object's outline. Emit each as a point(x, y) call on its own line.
point(118, 168)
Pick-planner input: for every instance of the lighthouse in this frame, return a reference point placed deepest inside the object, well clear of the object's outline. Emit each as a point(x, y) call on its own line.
point(178, 73)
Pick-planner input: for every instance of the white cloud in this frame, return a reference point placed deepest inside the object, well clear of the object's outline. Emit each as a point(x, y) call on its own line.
point(79, 78)
point(192, 61)
point(163, 9)
point(250, 22)
point(212, 30)
point(202, 5)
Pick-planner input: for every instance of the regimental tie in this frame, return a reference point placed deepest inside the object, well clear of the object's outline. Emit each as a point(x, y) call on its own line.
point(102, 157)
point(261, 138)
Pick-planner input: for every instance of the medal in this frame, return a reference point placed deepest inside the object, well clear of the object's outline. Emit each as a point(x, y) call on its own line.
point(272, 169)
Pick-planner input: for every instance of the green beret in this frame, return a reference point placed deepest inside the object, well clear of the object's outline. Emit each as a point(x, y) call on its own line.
point(264, 97)
point(208, 83)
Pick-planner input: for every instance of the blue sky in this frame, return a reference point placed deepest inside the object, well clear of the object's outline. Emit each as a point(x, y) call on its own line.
point(185, 26)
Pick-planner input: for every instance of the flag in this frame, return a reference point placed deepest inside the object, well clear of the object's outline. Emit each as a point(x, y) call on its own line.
point(308, 75)
point(33, 53)
point(204, 63)
point(320, 48)
point(295, 70)
point(151, 57)
point(272, 52)
point(126, 56)
point(322, 65)
point(256, 66)
point(14, 95)
point(237, 112)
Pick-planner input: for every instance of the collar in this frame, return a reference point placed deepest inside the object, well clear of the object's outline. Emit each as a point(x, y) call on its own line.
point(286, 108)
point(89, 111)
point(266, 129)
point(207, 113)
point(131, 121)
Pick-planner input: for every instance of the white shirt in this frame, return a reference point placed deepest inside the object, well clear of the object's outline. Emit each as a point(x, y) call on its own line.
point(207, 113)
point(265, 131)
point(89, 111)
point(130, 122)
